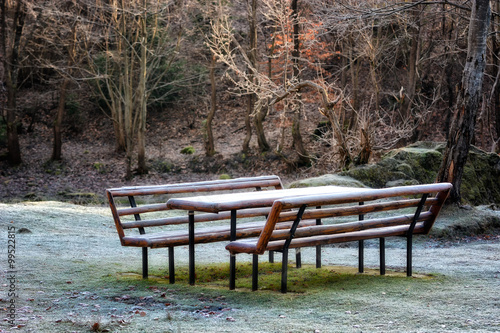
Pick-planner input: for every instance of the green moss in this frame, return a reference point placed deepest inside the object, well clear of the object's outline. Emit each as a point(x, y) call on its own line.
point(327, 180)
point(308, 279)
point(100, 167)
point(189, 150)
point(56, 168)
point(481, 179)
point(162, 166)
point(419, 164)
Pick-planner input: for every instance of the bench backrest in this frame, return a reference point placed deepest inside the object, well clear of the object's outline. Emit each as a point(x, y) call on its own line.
point(132, 206)
point(357, 204)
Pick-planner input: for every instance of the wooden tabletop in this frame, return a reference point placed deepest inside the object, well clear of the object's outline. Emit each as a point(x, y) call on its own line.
point(231, 201)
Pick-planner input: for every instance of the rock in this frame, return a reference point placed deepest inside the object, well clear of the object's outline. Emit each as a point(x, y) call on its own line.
point(24, 231)
point(415, 164)
point(419, 164)
point(328, 180)
point(481, 181)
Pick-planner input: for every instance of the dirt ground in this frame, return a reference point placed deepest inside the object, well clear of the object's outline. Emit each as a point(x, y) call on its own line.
point(70, 274)
point(91, 164)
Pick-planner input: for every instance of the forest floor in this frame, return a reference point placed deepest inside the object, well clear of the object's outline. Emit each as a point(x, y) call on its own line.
point(91, 164)
point(70, 274)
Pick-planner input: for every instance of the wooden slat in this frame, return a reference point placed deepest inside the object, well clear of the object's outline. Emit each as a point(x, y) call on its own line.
point(313, 235)
point(205, 186)
point(224, 202)
point(173, 220)
point(202, 235)
point(142, 209)
point(346, 237)
point(351, 226)
point(355, 210)
point(363, 195)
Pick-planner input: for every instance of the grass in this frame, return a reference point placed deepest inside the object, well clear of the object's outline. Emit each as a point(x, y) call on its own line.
point(307, 279)
point(73, 276)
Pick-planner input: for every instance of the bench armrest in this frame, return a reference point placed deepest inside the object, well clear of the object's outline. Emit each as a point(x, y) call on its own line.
point(242, 247)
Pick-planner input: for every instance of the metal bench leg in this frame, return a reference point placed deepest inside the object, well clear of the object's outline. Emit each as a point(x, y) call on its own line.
point(232, 257)
point(361, 256)
point(232, 272)
point(271, 257)
point(298, 258)
point(284, 270)
point(284, 262)
point(144, 262)
point(318, 247)
point(409, 248)
point(255, 272)
point(171, 266)
point(361, 247)
point(409, 235)
point(318, 256)
point(191, 249)
point(382, 256)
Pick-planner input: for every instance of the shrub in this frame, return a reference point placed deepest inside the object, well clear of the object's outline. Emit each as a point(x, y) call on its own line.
point(189, 150)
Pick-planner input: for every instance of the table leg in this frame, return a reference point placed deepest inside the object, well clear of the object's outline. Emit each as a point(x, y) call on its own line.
point(361, 248)
point(171, 265)
point(191, 248)
point(255, 272)
point(232, 272)
point(382, 256)
point(232, 258)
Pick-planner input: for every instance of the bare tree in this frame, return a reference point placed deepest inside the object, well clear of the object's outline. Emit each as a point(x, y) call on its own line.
point(132, 55)
point(209, 137)
point(282, 72)
point(12, 21)
point(55, 49)
point(463, 126)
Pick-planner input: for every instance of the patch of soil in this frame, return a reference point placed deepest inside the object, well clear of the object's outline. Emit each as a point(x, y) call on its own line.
point(91, 164)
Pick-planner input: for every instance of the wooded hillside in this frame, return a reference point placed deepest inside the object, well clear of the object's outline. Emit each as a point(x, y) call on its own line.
point(322, 85)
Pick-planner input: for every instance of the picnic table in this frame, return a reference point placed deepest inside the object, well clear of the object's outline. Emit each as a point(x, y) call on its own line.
point(233, 202)
point(300, 204)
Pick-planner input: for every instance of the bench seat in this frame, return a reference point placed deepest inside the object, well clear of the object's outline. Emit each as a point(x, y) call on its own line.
point(248, 246)
point(138, 211)
point(202, 235)
point(378, 213)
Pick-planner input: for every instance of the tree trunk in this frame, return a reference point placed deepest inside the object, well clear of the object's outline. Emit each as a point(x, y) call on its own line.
point(143, 100)
point(354, 69)
point(259, 117)
point(462, 128)
point(248, 125)
point(252, 56)
point(14, 150)
point(209, 137)
point(10, 62)
point(496, 62)
point(304, 158)
point(57, 147)
point(412, 65)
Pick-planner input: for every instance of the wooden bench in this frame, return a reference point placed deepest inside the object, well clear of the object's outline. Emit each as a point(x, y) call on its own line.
point(399, 201)
point(137, 208)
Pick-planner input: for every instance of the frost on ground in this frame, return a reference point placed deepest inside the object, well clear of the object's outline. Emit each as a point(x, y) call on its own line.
point(72, 275)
